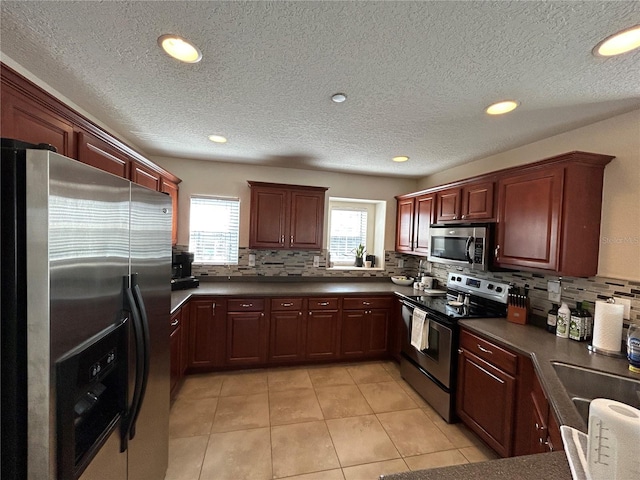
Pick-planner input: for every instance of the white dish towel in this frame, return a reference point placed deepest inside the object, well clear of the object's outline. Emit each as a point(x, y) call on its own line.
point(419, 329)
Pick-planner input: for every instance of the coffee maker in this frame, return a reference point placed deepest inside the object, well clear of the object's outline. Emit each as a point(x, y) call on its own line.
point(181, 277)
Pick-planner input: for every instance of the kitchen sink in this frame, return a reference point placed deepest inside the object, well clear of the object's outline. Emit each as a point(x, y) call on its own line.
point(583, 385)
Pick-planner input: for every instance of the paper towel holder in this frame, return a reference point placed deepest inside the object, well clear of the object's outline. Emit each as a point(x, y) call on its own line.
point(610, 353)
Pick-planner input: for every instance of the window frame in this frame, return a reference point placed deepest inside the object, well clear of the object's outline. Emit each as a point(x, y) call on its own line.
point(230, 259)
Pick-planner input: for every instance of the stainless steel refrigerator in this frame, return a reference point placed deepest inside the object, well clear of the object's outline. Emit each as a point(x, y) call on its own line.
point(86, 269)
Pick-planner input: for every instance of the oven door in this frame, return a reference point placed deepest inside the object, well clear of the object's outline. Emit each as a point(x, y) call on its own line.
point(437, 359)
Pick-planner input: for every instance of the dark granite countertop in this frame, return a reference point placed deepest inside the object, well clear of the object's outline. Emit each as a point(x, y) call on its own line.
point(279, 288)
point(547, 466)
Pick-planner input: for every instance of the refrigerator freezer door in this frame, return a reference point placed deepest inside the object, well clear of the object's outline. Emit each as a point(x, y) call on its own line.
point(77, 254)
point(151, 261)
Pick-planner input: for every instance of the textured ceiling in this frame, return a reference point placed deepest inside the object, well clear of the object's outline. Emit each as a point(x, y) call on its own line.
point(417, 75)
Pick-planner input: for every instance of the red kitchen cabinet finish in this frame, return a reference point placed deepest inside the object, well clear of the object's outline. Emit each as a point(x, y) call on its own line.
point(288, 320)
point(477, 201)
point(322, 328)
point(286, 216)
point(365, 326)
point(247, 332)
point(414, 217)
point(448, 207)
point(207, 324)
point(549, 215)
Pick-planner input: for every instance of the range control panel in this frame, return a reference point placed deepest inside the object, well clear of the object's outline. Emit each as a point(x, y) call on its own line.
point(478, 286)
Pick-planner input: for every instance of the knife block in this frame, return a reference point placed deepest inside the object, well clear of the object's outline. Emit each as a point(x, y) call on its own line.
point(517, 314)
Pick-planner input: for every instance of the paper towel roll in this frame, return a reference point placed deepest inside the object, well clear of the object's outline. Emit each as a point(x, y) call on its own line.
point(614, 436)
point(607, 326)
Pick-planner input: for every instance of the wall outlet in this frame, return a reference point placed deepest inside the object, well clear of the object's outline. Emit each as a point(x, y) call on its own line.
point(401, 263)
point(554, 289)
point(252, 259)
point(627, 306)
point(316, 261)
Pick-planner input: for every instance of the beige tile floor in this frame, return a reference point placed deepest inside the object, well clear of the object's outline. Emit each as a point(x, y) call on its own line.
point(345, 422)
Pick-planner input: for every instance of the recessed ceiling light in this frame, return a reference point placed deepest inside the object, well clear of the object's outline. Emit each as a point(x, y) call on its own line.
point(619, 43)
point(339, 97)
point(180, 48)
point(218, 138)
point(502, 107)
point(400, 159)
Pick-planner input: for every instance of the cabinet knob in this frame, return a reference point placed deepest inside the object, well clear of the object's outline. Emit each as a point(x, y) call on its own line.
point(455, 217)
point(464, 216)
point(299, 314)
point(213, 308)
point(291, 239)
point(366, 303)
point(175, 323)
point(262, 314)
point(460, 351)
point(282, 239)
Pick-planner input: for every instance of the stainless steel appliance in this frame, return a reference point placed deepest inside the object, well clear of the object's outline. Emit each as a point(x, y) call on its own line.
point(86, 263)
point(467, 246)
point(432, 371)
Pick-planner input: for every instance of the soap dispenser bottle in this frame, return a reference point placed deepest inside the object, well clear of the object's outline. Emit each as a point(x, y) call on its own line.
point(564, 317)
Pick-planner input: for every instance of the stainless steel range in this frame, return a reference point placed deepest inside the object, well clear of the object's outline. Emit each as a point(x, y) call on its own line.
point(431, 371)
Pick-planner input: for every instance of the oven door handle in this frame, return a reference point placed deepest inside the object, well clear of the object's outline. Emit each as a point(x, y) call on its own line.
point(466, 249)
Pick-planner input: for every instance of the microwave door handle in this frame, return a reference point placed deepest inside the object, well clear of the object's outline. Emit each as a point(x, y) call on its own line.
point(467, 247)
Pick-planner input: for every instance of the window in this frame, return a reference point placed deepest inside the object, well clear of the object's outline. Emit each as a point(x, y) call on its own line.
point(353, 222)
point(348, 229)
point(214, 224)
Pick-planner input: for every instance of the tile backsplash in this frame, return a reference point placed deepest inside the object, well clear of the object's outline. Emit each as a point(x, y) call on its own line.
point(299, 263)
point(573, 289)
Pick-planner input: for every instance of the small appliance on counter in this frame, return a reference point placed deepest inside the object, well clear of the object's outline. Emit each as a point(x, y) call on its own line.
point(181, 277)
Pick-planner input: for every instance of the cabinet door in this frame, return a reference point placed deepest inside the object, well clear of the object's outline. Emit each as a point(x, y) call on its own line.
point(247, 338)
point(378, 332)
point(404, 225)
point(172, 189)
point(185, 324)
point(286, 336)
point(529, 212)
point(322, 334)
point(353, 333)
point(485, 401)
point(145, 176)
point(175, 346)
point(477, 201)
point(424, 208)
point(99, 154)
point(448, 205)
point(25, 120)
point(268, 225)
point(539, 431)
point(307, 220)
point(202, 346)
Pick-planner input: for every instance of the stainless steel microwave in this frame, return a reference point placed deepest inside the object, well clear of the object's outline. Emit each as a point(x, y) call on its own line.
point(465, 246)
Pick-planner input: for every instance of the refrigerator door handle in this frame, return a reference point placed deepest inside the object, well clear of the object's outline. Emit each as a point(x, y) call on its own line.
point(144, 331)
point(131, 307)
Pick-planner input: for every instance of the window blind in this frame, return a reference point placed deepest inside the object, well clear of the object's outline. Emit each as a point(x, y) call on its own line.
point(214, 226)
point(348, 230)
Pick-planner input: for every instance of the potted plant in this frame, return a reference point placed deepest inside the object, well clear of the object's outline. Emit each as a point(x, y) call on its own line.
point(359, 251)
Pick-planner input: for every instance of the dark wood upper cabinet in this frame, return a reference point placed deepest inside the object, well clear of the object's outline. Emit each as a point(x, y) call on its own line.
point(477, 201)
point(98, 153)
point(549, 215)
point(448, 207)
point(414, 217)
point(286, 216)
point(146, 177)
point(27, 120)
point(404, 225)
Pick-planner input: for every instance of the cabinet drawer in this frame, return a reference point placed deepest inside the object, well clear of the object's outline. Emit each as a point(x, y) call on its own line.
point(492, 353)
point(246, 305)
point(286, 304)
point(323, 304)
point(358, 303)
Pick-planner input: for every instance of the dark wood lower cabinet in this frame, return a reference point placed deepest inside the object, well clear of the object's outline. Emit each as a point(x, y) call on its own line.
point(365, 327)
point(206, 333)
point(486, 401)
point(247, 332)
point(322, 335)
point(287, 336)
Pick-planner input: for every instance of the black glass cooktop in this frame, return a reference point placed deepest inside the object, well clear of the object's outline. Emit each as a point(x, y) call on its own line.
point(446, 305)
